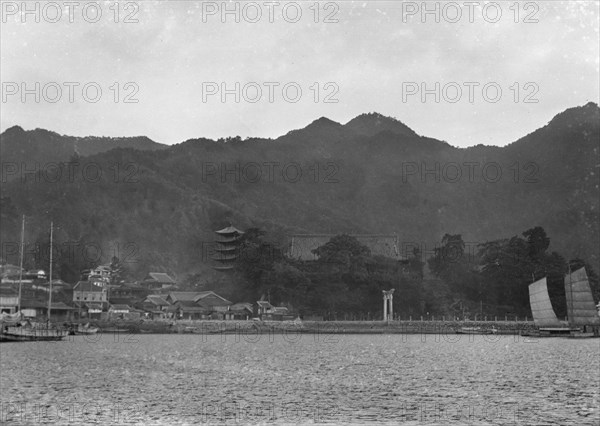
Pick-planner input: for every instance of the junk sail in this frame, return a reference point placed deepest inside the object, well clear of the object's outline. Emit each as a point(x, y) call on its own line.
point(580, 302)
point(541, 307)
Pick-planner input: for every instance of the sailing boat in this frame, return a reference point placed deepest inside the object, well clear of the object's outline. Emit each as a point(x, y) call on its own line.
point(544, 316)
point(583, 316)
point(583, 319)
point(26, 331)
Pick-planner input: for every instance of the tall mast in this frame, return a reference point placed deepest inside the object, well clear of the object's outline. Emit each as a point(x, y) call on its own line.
point(571, 314)
point(50, 277)
point(21, 262)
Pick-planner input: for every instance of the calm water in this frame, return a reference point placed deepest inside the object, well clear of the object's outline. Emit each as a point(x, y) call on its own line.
point(331, 379)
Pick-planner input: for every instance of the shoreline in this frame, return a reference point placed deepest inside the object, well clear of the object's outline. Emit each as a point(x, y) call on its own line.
point(312, 327)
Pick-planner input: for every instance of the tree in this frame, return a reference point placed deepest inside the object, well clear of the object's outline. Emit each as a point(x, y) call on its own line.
point(451, 264)
point(343, 250)
point(256, 262)
point(415, 264)
point(537, 241)
point(116, 270)
point(507, 271)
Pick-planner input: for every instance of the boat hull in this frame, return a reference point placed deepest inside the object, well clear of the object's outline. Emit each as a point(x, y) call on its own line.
point(20, 334)
point(25, 338)
point(86, 332)
point(585, 332)
point(476, 330)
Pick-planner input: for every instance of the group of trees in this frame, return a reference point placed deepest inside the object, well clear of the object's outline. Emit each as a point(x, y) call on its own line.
point(347, 279)
point(499, 273)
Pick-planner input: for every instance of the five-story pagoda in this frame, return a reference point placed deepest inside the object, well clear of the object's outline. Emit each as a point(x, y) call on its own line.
point(227, 247)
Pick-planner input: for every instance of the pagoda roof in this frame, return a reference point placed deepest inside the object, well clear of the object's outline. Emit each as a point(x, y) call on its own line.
point(228, 240)
point(223, 268)
point(226, 248)
point(225, 257)
point(229, 230)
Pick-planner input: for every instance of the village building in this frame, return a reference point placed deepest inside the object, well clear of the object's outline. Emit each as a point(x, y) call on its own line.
point(7, 270)
point(58, 286)
point(100, 273)
point(266, 311)
point(91, 298)
point(124, 312)
point(198, 305)
point(186, 309)
point(239, 311)
point(159, 282)
point(156, 306)
point(12, 276)
point(34, 308)
point(9, 301)
point(131, 294)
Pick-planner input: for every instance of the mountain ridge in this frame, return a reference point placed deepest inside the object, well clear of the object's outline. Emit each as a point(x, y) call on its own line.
point(363, 124)
point(172, 199)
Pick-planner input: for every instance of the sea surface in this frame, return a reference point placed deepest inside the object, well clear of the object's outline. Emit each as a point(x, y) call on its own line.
point(301, 379)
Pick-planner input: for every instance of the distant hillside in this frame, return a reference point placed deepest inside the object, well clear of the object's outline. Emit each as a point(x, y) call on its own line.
point(42, 146)
point(372, 175)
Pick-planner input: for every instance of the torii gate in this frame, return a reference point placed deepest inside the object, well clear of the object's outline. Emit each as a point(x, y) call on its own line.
point(388, 295)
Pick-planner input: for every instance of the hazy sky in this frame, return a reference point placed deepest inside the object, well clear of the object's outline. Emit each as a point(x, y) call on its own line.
point(374, 58)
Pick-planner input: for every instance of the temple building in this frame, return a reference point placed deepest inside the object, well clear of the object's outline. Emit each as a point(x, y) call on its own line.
point(302, 245)
point(226, 249)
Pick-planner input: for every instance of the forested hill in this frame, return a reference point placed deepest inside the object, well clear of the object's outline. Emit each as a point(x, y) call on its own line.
point(371, 175)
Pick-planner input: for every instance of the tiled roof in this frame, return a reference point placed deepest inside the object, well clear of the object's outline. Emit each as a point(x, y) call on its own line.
point(241, 307)
point(183, 295)
point(92, 305)
point(33, 304)
point(39, 304)
point(132, 285)
point(157, 300)
point(204, 294)
point(120, 307)
point(8, 292)
point(87, 286)
point(161, 277)
point(122, 300)
point(187, 303)
point(301, 246)
point(60, 306)
point(194, 309)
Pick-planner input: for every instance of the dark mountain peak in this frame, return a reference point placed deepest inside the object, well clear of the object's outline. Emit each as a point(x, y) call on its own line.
point(373, 123)
point(319, 130)
point(323, 123)
point(14, 131)
point(586, 114)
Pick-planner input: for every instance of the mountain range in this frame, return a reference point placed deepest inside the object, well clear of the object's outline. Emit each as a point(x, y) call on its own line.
point(157, 206)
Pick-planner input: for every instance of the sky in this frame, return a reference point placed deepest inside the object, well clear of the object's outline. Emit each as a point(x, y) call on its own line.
point(465, 72)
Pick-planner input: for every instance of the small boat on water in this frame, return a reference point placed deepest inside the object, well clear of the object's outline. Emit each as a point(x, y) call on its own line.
point(86, 329)
point(476, 330)
point(581, 309)
point(27, 331)
point(543, 313)
point(116, 330)
point(583, 319)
